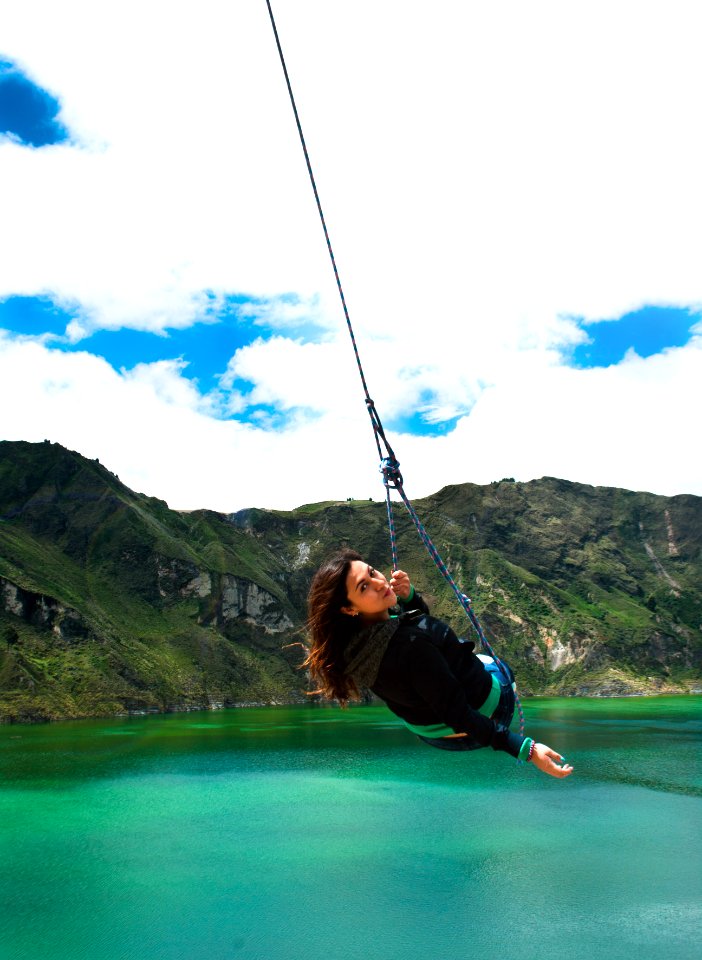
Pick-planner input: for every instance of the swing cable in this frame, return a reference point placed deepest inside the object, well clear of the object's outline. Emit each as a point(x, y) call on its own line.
point(378, 431)
point(389, 465)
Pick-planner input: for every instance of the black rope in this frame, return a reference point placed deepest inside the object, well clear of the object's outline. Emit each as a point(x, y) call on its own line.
point(378, 431)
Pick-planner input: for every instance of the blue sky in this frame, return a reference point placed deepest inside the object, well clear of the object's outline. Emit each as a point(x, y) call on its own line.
point(28, 112)
point(525, 295)
point(207, 346)
point(647, 331)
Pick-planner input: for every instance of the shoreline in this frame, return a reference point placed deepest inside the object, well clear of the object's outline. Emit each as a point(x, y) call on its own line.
point(217, 706)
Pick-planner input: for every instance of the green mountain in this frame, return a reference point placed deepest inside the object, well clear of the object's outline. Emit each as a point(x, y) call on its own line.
point(110, 602)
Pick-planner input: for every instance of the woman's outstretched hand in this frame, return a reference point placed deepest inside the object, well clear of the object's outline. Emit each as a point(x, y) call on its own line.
point(400, 584)
point(550, 762)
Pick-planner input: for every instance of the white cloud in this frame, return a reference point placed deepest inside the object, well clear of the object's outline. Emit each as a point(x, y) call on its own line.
point(152, 428)
point(487, 171)
point(627, 425)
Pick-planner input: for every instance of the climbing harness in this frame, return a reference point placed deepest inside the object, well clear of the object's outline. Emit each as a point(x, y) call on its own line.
point(389, 464)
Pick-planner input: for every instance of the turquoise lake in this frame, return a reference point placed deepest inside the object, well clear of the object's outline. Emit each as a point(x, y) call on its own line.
point(309, 832)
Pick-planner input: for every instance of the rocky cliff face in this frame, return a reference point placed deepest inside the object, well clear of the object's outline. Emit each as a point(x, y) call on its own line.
point(109, 601)
point(235, 599)
point(43, 612)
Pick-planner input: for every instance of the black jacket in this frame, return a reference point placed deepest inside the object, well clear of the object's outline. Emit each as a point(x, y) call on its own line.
point(429, 676)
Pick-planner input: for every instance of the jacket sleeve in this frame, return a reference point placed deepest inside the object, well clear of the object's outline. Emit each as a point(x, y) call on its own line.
point(434, 681)
point(415, 601)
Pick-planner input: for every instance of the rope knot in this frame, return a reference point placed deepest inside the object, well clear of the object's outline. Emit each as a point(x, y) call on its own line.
point(390, 469)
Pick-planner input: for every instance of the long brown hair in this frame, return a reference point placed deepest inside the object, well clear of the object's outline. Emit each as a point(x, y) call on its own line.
point(329, 629)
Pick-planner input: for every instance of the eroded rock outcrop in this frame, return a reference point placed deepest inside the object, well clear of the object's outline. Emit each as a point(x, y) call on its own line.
point(44, 611)
point(239, 599)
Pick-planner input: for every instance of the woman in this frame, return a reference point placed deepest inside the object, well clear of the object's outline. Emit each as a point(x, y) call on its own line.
point(428, 677)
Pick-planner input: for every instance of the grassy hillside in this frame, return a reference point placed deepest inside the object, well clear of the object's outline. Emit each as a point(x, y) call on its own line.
point(111, 602)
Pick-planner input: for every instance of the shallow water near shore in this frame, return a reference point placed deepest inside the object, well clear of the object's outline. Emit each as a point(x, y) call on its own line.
point(310, 832)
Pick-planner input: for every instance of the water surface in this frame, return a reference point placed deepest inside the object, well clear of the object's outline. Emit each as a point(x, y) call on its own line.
point(305, 832)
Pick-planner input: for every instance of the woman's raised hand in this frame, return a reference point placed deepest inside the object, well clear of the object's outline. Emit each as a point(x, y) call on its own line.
point(548, 761)
point(400, 584)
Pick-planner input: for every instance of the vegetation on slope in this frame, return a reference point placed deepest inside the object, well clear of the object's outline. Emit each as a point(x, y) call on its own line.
point(110, 602)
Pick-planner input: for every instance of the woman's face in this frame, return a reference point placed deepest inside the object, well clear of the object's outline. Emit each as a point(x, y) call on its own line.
point(368, 592)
